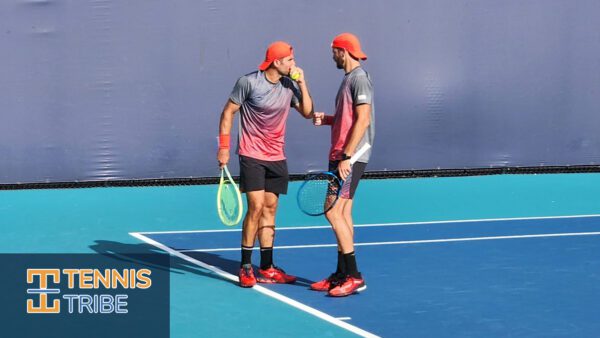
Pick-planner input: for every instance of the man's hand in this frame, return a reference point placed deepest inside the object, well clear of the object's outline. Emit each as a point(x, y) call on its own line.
point(223, 157)
point(344, 169)
point(298, 74)
point(318, 118)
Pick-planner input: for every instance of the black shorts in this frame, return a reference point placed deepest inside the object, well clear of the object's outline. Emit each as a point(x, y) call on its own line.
point(270, 176)
point(351, 182)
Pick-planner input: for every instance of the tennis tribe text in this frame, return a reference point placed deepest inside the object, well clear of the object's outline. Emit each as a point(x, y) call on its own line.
point(83, 279)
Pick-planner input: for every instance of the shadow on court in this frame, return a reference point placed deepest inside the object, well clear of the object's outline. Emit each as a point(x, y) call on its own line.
point(130, 253)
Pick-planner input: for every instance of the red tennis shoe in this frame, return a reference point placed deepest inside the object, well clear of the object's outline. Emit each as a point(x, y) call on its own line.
point(349, 286)
point(275, 275)
point(247, 279)
point(328, 283)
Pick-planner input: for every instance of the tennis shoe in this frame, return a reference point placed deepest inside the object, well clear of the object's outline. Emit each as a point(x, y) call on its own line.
point(247, 279)
point(350, 286)
point(328, 283)
point(274, 275)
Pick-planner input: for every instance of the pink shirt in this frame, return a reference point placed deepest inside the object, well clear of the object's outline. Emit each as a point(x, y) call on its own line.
point(264, 107)
point(356, 88)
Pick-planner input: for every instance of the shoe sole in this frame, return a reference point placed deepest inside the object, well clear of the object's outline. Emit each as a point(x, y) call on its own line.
point(360, 289)
point(272, 281)
point(319, 290)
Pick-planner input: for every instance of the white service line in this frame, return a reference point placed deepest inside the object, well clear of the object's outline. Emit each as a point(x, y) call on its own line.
point(258, 288)
point(382, 224)
point(443, 240)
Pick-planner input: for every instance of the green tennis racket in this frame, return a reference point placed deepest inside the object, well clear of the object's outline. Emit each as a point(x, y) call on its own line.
point(229, 199)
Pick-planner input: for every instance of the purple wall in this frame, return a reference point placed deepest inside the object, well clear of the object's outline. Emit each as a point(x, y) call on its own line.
point(108, 89)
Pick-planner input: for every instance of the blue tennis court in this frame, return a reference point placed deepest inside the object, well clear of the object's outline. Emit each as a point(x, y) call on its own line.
point(494, 256)
point(518, 277)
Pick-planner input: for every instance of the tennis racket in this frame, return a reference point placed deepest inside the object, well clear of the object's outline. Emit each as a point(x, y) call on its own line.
point(229, 199)
point(321, 190)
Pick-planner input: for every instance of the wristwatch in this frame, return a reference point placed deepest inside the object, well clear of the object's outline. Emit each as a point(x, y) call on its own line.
point(345, 157)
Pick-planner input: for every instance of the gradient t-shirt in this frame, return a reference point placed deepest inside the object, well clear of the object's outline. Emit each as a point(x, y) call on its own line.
point(356, 89)
point(264, 107)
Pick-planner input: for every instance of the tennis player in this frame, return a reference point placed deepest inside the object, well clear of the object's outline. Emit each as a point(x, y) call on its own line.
point(353, 125)
point(264, 98)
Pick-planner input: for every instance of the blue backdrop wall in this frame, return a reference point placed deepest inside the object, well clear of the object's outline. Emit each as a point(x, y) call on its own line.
point(109, 89)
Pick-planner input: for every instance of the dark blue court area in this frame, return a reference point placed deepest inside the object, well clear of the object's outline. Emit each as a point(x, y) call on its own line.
point(528, 277)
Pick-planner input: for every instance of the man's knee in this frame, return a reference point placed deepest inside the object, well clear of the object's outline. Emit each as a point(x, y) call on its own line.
point(255, 209)
point(269, 209)
point(334, 214)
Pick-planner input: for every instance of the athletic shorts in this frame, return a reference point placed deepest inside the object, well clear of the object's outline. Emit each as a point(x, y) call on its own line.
point(351, 183)
point(270, 176)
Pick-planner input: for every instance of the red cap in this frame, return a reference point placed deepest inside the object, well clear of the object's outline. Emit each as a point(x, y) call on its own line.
point(276, 50)
point(350, 43)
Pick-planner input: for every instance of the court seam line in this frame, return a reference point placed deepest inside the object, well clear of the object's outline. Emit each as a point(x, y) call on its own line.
point(381, 224)
point(425, 241)
point(258, 288)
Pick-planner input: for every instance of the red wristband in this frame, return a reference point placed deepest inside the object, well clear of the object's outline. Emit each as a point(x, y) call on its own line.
point(224, 141)
point(328, 120)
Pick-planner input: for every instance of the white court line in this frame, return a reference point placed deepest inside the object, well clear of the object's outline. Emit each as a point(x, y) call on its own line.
point(258, 288)
point(382, 224)
point(339, 321)
point(444, 240)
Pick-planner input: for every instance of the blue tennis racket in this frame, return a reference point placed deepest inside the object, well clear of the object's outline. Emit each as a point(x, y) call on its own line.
point(320, 190)
point(318, 193)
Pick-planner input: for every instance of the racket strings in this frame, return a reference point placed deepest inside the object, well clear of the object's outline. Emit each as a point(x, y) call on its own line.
point(229, 200)
point(318, 194)
point(229, 204)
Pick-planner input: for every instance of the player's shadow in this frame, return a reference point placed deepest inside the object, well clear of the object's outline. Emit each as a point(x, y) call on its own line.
point(140, 253)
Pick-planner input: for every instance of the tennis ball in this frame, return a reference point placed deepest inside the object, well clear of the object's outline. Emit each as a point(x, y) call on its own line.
point(295, 76)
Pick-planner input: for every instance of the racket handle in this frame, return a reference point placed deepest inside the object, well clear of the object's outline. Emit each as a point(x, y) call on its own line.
point(359, 153)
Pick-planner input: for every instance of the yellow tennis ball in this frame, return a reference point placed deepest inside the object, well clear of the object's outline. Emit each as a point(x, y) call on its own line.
point(295, 76)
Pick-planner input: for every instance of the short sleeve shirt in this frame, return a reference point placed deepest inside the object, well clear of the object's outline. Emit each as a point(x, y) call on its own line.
point(356, 89)
point(264, 107)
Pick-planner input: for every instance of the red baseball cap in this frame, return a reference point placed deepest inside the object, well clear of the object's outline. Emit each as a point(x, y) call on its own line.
point(276, 50)
point(349, 42)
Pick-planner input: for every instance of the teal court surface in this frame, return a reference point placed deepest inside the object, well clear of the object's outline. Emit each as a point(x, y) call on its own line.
point(484, 256)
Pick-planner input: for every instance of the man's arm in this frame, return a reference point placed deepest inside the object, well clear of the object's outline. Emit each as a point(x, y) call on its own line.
point(225, 130)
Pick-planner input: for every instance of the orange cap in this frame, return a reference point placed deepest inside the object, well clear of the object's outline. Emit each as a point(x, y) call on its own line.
point(276, 50)
point(349, 42)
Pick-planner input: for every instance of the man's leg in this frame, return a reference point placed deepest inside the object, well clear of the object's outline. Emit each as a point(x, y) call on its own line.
point(343, 232)
point(266, 230)
point(347, 214)
point(333, 216)
point(249, 230)
point(344, 229)
point(269, 273)
point(256, 203)
point(276, 183)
